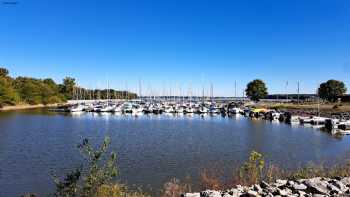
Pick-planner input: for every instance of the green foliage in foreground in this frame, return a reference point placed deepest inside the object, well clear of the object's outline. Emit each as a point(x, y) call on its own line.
point(95, 178)
point(98, 173)
point(252, 170)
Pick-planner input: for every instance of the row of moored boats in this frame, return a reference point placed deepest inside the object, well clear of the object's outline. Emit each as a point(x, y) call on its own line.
point(157, 108)
point(334, 125)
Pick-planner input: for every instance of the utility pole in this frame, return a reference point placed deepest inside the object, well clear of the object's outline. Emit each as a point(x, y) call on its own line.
point(298, 90)
point(203, 95)
point(235, 89)
point(211, 92)
point(126, 91)
point(107, 92)
point(286, 91)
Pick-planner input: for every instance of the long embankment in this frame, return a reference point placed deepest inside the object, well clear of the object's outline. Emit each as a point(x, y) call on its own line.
point(324, 109)
point(303, 187)
point(26, 106)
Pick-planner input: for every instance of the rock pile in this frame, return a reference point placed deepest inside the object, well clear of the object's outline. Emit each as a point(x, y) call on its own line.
point(315, 187)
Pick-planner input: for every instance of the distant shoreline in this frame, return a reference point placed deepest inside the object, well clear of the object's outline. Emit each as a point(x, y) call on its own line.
point(27, 106)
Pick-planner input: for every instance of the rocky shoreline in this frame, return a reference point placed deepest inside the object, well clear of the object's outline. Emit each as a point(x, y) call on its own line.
point(315, 187)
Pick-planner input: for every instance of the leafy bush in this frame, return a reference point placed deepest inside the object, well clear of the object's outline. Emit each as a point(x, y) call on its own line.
point(251, 171)
point(94, 179)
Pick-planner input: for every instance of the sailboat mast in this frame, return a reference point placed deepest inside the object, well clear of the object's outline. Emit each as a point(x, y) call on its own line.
point(235, 89)
point(203, 95)
point(211, 92)
point(298, 90)
point(107, 92)
point(287, 91)
point(140, 90)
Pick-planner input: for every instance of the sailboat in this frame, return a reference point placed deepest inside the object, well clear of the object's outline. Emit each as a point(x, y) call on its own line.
point(213, 110)
point(203, 110)
point(117, 108)
point(107, 108)
point(77, 108)
point(137, 109)
point(189, 110)
point(127, 108)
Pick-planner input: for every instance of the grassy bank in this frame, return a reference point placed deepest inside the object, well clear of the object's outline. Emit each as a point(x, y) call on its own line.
point(309, 107)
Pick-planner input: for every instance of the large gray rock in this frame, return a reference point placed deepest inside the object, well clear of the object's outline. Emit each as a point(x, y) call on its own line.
point(284, 192)
point(297, 186)
point(210, 193)
point(346, 181)
point(192, 195)
point(252, 193)
point(317, 186)
point(340, 185)
point(333, 189)
point(280, 183)
point(319, 195)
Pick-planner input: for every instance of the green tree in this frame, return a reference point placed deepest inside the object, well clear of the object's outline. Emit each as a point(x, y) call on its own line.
point(3, 72)
point(331, 90)
point(29, 90)
point(256, 90)
point(51, 83)
point(51, 92)
point(68, 87)
point(8, 95)
point(45, 91)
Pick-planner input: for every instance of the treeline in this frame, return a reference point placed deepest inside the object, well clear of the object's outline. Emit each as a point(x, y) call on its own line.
point(331, 91)
point(27, 90)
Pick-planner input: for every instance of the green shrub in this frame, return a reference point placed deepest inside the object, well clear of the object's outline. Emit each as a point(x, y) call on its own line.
point(251, 171)
point(95, 178)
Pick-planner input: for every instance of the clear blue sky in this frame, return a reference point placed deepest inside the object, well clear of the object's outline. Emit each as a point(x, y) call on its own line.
point(179, 43)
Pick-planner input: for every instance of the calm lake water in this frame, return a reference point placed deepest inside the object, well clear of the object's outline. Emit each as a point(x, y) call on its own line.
point(151, 149)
